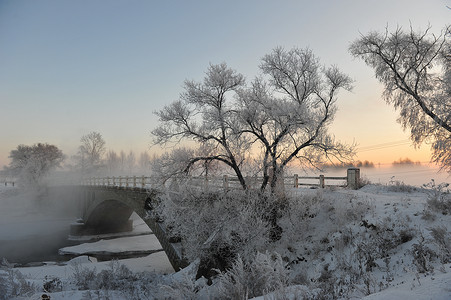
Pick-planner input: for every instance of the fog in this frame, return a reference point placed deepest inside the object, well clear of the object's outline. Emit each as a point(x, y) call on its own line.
point(415, 175)
point(411, 175)
point(34, 224)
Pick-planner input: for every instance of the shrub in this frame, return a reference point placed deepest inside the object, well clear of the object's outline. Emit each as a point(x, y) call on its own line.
point(296, 217)
point(117, 278)
point(422, 256)
point(246, 279)
point(52, 284)
point(364, 180)
point(84, 277)
point(405, 236)
point(428, 215)
point(400, 187)
point(439, 197)
point(13, 283)
point(443, 240)
point(217, 226)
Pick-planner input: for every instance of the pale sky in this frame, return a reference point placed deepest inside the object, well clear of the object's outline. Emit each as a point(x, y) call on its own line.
point(71, 67)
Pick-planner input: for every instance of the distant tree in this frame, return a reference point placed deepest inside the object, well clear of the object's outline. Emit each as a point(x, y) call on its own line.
point(365, 164)
point(415, 69)
point(33, 163)
point(144, 162)
point(91, 152)
point(289, 114)
point(405, 162)
point(112, 162)
point(122, 161)
point(130, 162)
point(353, 164)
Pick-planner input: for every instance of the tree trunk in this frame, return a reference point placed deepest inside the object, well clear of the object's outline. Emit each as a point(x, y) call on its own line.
point(277, 182)
point(240, 176)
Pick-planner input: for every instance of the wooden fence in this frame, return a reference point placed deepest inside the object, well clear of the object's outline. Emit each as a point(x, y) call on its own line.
point(352, 180)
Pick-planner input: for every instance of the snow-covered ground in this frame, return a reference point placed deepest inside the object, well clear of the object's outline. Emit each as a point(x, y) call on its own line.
point(394, 214)
point(399, 208)
point(137, 244)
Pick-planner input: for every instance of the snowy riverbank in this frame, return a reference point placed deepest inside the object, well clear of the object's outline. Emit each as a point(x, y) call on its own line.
point(379, 242)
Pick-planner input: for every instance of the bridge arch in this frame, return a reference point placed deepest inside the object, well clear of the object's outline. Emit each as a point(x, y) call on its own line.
point(108, 209)
point(108, 216)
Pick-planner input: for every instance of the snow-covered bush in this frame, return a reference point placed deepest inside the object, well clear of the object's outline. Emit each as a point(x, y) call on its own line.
point(217, 226)
point(400, 187)
point(364, 180)
point(13, 283)
point(295, 218)
point(52, 284)
point(84, 277)
point(264, 273)
point(422, 255)
point(442, 238)
point(116, 278)
point(439, 197)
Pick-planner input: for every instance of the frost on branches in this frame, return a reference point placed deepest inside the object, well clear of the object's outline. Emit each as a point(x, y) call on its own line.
point(32, 163)
point(415, 69)
point(283, 114)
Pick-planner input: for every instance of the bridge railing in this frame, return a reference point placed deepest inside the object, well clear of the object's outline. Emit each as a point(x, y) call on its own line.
point(352, 180)
point(119, 181)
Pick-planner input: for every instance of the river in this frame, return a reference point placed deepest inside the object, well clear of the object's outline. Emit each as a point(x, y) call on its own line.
point(33, 228)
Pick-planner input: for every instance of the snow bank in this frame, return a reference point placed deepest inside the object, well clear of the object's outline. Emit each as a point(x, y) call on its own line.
point(136, 244)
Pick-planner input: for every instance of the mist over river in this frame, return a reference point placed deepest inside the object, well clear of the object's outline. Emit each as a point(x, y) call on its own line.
point(34, 225)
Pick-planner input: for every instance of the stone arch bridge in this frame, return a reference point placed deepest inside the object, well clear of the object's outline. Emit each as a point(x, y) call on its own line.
point(107, 209)
point(106, 204)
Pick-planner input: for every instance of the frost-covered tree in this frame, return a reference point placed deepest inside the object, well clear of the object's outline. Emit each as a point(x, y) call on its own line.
point(415, 69)
point(130, 162)
point(290, 112)
point(112, 162)
point(91, 152)
point(33, 163)
point(287, 114)
point(181, 161)
point(144, 162)
point(122, 160)
point(205, 113)
point(170, 164)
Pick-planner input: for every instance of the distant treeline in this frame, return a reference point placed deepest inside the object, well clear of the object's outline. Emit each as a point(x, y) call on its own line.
point(369, 164)
point(405, 162)
point(355, 164)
